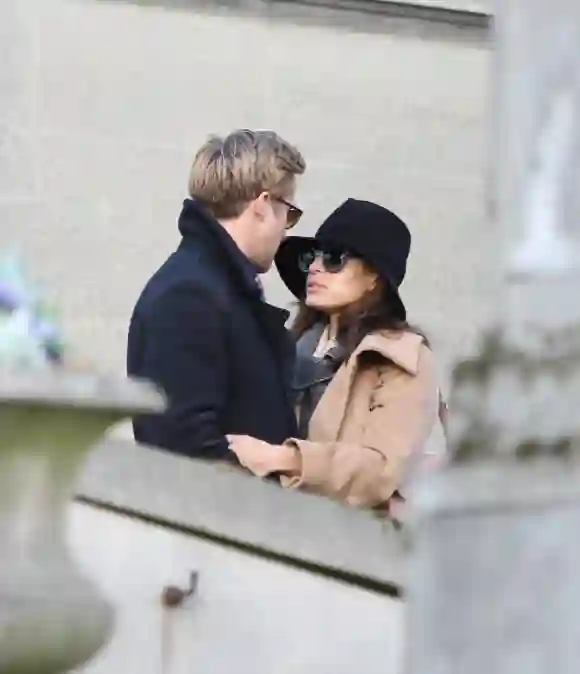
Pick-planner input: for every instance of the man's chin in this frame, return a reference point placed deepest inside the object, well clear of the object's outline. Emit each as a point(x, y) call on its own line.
point(263, 267)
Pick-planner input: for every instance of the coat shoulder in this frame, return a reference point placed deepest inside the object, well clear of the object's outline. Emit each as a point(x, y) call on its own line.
point(406, 349)
point(184, 272)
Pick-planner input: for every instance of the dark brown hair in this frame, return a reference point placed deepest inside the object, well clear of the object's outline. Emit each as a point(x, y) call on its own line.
point(375, 311)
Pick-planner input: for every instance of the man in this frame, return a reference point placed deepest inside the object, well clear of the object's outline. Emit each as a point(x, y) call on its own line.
point(201, 329)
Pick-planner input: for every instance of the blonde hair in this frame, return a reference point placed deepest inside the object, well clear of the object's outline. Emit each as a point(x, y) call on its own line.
point(227, 173)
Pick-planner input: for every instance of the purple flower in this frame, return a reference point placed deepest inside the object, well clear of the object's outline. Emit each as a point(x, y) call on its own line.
point(21, 304)
point(9, 298)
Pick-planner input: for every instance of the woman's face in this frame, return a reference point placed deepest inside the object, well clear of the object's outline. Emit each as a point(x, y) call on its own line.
point(335, 280)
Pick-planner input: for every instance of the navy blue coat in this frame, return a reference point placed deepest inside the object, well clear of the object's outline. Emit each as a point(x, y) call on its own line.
point(202, 332)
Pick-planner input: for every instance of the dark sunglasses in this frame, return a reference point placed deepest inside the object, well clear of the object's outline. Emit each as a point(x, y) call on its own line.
point(333, 259)
point(293, 214)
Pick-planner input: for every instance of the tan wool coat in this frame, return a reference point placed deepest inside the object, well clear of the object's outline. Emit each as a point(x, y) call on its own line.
point(371, 423)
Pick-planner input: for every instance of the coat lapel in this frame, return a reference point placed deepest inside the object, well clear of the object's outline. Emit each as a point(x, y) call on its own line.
point(330, 411)
point(402, 349)
point(305, 369)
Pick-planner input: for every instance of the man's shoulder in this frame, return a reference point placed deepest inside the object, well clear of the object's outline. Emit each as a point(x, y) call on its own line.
point(187, 265)
point(185, 272)
point(183, 294)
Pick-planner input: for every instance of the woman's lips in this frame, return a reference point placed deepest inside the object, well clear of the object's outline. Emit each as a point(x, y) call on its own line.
point(313, 286)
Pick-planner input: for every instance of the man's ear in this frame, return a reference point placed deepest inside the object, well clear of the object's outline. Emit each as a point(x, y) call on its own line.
point(261, 206)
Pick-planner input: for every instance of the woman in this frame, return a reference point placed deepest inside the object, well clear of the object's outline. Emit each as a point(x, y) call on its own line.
point(365, 380)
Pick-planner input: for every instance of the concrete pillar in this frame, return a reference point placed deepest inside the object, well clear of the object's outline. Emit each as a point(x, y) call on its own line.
point(495, 577)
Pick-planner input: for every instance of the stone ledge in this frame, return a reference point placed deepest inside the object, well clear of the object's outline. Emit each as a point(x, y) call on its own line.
point(217, 502)
point(460, 12)
point(445, 19)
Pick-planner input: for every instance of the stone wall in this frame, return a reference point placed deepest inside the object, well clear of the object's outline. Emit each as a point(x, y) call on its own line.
point(104, 103)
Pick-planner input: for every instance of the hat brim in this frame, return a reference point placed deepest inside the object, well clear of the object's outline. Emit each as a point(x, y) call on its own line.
point(286, 261)
point(294, 278)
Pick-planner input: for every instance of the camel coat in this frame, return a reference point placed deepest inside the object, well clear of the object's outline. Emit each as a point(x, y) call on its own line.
point(371, 423)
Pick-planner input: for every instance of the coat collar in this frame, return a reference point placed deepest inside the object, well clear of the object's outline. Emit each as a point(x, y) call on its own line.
point(196, 223)
point(402, 348)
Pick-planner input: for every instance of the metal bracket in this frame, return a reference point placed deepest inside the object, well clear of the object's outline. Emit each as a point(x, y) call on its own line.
point(174, 597)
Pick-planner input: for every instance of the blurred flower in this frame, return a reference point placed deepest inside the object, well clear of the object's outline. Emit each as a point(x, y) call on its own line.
point(29, 335)
point(9, 300)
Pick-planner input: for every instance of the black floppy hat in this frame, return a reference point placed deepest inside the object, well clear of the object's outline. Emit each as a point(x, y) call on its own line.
point(375, 234)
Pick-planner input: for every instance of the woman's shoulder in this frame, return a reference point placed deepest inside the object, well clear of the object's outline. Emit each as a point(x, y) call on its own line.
point(405, 348)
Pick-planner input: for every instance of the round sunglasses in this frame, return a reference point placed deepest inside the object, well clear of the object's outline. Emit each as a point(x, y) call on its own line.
point(333, 260)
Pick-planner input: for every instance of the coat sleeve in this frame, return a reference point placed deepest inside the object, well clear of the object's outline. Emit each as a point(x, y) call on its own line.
point(184, 352)
point(399, 418)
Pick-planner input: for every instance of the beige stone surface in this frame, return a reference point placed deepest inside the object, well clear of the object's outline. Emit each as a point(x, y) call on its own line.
point(249, 614)
point(104, 104)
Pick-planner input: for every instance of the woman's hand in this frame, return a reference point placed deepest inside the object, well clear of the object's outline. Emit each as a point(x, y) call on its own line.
point(261, 458)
